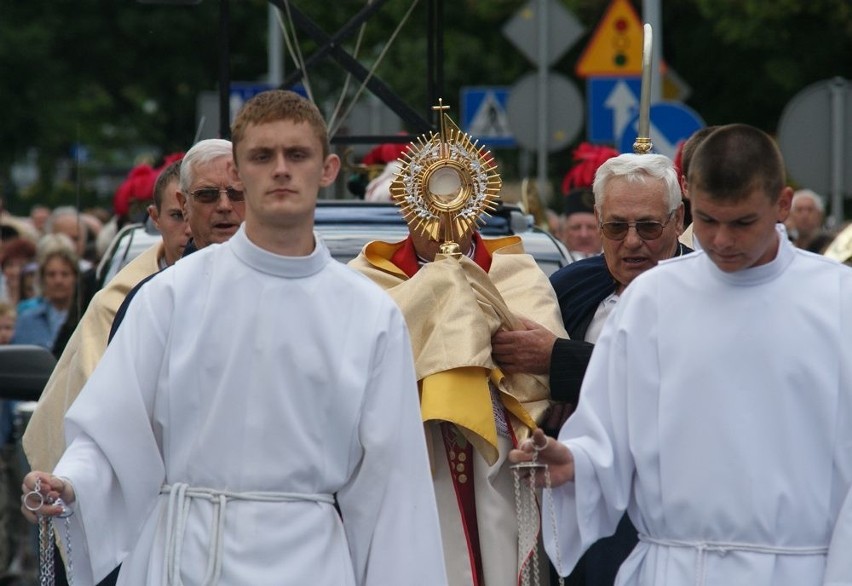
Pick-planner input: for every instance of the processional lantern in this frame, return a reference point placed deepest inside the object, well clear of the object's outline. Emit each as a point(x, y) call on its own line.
point(446, 184)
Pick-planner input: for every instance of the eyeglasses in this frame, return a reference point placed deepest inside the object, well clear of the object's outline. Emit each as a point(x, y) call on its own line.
point(211, 194)
point(646, 230)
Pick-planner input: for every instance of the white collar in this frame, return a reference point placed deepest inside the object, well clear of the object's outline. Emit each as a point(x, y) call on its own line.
point(275, 264)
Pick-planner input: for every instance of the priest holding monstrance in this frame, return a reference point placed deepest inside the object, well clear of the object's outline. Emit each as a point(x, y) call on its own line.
point(456, 289)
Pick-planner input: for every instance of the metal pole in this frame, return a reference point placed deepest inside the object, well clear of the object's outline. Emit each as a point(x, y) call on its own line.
point(414, 119)
point(224, 72)
point(652, 15)
point(643, 144)
point(439, 48)
point(274, 48)
point(542, 97)
point(838, 128)
point(433, 92)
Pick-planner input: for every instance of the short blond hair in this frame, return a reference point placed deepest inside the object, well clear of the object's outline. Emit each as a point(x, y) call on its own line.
point(274, 105)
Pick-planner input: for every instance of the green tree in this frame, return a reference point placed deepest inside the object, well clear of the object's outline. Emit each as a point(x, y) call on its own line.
point(123, 78)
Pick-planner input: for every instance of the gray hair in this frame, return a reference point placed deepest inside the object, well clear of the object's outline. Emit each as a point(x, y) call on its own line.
point(637, 169)
point(62, 211)
point(56, 245)
point(202, 153)
point(807, 193)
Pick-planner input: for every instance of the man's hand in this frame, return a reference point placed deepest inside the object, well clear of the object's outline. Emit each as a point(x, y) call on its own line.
point(523, 351)
point(556, 455)
point(40, 492)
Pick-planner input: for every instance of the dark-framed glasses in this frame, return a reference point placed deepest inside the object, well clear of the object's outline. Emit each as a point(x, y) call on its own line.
point(646, 229)
point(211, 194)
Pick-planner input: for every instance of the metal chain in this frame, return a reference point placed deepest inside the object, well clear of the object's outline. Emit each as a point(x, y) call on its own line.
point(553, 526)
point(516, 477)
point(47, 574)
point(69, 565)
point(524, 517)
point(532, 512)
point(526, 509)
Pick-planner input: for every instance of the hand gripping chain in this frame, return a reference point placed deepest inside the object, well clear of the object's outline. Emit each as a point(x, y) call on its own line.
point(34, 501)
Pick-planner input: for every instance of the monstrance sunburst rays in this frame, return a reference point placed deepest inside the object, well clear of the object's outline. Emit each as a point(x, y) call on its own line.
point(447, 181)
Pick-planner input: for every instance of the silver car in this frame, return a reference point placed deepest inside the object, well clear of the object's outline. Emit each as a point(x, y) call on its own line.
point(347, 225)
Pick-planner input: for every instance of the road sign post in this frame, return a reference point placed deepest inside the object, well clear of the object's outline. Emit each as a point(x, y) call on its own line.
point(815, 136)
point(484, 115)
point(565, 116)
point(612, 103)
point(542, 30)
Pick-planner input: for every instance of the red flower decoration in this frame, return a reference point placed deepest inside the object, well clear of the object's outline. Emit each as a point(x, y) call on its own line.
point(139, 184)
point(385, 153)
point(588, 157)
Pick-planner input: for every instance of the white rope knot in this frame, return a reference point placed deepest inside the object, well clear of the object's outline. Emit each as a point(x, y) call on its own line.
point(180, 499)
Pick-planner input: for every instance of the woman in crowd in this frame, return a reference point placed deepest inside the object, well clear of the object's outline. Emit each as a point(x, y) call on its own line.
point(58, 273)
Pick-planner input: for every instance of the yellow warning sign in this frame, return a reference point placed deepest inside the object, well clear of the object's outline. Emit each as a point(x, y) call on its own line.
point(616, 45)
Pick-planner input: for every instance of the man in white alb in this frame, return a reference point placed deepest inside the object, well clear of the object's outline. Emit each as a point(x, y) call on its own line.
point(717, 407)
point(244, 397)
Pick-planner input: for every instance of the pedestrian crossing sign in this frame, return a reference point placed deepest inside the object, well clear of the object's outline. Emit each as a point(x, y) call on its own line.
point(484, 116)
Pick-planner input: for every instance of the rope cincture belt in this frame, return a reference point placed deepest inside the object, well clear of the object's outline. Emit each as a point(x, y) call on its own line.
point(702, 547)
point(180, 497)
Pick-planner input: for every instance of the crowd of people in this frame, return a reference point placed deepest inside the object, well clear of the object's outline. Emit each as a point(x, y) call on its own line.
point(237, 407)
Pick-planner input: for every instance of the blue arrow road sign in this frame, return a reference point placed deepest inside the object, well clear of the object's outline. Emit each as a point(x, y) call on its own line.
point(671, 122)
point(484, 117)
point(612, 102)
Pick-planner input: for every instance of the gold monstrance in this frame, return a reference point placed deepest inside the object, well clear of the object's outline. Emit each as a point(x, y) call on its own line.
point(447, 182)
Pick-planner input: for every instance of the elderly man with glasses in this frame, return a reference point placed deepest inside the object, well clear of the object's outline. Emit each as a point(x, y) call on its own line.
point(639, 211)
point(213, 206)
